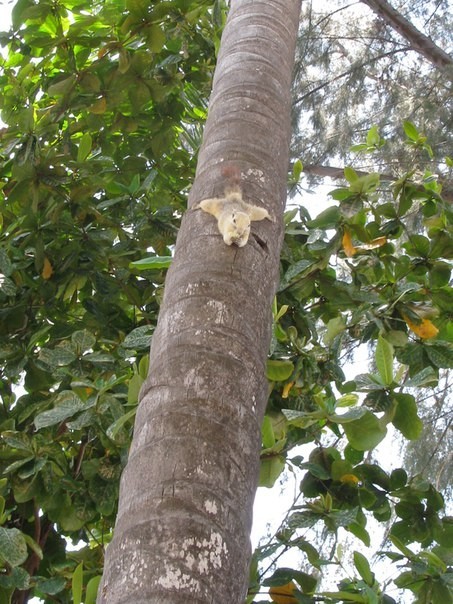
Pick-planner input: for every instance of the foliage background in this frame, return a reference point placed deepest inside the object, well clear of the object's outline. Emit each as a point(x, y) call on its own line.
point(103, 106)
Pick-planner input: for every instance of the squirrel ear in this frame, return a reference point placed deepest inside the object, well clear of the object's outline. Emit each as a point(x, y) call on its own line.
point(257, 213)
point(212, 206)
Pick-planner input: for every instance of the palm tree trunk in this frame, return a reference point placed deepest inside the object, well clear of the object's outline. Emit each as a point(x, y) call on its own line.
point(185, 510)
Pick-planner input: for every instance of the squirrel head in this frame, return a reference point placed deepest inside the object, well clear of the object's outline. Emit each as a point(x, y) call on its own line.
point(235, 227)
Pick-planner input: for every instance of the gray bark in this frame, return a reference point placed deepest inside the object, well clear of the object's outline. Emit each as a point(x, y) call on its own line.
point(185, 510)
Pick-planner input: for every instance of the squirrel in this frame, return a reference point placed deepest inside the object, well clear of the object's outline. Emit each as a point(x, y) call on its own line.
point(233, 214)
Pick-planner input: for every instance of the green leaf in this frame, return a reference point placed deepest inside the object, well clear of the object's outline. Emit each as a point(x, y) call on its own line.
point(365, 433)
point(52, 586)
point(405, 418)
point(114, 428)
point(350, 174)
point(267, 433)
point(345, 596)
point(372, 137)
point(384, 360)
point(151, 263)
point(360, 532)
point(279, 371)
point(347, 400)
point(85, 145)
point(334, 327)
point(139, 338)
point(329, 218)
point(422, 378)
point(400, 545)
point(83, 340)
point(297, 170)
point(349, 416)
point(33, 546)
point(67, 404)
point(62, 86)
point(411, 131)
point(58, 357)
point(77, 584)
point(398, 479)
point(156, 38)
point(92, 589)
point(13, 548)
point(363, 567)
point(270, 470)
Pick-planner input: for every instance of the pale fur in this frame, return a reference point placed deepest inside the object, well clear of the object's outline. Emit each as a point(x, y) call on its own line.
point(233, 215)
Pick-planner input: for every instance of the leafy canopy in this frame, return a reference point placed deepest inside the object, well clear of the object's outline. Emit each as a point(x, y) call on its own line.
point(103, 105)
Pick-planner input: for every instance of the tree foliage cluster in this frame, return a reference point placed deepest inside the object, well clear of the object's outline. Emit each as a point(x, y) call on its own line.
point(356, 69)
point(102, 105)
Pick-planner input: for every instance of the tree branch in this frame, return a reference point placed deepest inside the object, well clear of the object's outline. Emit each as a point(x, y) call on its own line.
point(335, 172)
point(417, 40)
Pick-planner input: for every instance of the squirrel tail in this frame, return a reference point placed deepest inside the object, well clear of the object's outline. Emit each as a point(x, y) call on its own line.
point(232, 176)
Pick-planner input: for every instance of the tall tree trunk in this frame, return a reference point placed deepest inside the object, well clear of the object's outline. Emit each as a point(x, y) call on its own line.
point(185, 511)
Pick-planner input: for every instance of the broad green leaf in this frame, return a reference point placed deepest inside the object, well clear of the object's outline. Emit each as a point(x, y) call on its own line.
point(360, 532)
point(400, 545)
point(267, 433)
point(384, 360)
point(13, 548)
point(297, 169)
point(83, 340)
point(440, 354)
point(92, 589)
point(345, 596)
point(6, 266)
point(62, 86)
point(281, 312)
point(363, 567)
point(347, 400)
point(114, 428)
point(156, 38)
point(270, 470)
point(349, 416)
point(57, 357)
point(303, 419)
point(77, 584)
point(279, 371)
point(372, 137)
point(151, 263)
point(422, 378)
point(139, 338)
point(329, 218)
point(411, 131)
point(398, 479)
point(66, 404)
point(133, 388)
point(33, 546)
point(350, 174)
point(365, 433)
point(52, 586)
point(405, 418)
point(85, 145)
point(334, 327)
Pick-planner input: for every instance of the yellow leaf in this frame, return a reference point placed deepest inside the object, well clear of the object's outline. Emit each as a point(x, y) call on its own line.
point(286, 389)
point(348, 247)
point(349, 479)
point(98, 107)
point(425, 329)
point(282, 594)
point(378, 242)
point(47, 270)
